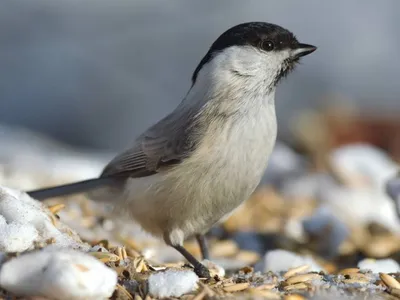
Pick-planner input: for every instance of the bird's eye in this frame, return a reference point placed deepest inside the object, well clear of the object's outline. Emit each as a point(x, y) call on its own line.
point(268, 45)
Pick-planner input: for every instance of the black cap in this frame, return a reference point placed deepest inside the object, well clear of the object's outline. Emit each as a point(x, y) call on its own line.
point(266, 36)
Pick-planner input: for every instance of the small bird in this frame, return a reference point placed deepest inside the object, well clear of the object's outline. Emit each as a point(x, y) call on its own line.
point(196, 165)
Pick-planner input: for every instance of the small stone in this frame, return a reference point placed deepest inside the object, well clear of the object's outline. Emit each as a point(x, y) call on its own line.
point(379, 265)
point(60, 274)
point(172, 283)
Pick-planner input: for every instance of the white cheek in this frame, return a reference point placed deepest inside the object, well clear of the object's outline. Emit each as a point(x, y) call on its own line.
point(273, 60)
point(258, 69)
point(247, 60)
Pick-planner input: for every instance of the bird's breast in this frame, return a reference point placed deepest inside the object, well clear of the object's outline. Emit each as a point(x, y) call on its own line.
point(229, 162)
point(238, 149)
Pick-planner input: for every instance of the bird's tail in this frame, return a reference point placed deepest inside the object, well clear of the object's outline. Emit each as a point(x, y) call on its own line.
point(72, 188)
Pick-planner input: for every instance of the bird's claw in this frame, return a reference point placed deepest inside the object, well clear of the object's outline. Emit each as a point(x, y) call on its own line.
point(202, 271)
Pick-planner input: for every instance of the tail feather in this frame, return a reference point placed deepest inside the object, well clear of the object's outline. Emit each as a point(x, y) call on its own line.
point(72, 188)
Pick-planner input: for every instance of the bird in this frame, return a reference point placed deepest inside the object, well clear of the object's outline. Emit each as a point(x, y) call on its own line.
point(194, 167)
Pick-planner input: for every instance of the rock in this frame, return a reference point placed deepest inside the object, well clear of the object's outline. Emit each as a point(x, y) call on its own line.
point(361, 206)
point(283, 163)
point(379, 265)
point(172, 283)
point(26, 223)
point(61, 274)
point(362, 165)
point(215, 270)
point(282, 260)
point(393, 191)
point(329, 230)
point(294, 229)
point(308, 186)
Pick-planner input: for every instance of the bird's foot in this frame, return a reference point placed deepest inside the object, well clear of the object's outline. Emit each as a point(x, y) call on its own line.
point(202, 271)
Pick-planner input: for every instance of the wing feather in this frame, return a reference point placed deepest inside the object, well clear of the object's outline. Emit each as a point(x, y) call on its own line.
point(162, 145)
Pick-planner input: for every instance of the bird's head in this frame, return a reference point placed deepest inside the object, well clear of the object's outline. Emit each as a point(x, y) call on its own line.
point(255, 51)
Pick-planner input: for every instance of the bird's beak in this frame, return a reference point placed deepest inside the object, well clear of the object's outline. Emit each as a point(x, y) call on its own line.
point(302, 50)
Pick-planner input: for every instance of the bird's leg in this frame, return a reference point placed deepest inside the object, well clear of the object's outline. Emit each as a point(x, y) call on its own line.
point(202, 241)
point(199, 268)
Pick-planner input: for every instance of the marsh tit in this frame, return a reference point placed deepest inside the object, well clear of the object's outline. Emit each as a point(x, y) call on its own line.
point(196, 165)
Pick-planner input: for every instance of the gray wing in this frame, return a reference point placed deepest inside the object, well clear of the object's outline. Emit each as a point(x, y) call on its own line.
point(162, 145)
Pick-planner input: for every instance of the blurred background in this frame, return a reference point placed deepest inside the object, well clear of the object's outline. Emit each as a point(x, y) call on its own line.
point(97, 73)
point(79, 80)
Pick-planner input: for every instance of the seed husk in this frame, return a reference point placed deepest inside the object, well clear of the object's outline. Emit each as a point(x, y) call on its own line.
point(395, 292)
point(294, 297)
point(294, 271)
point(389, 281)
point(236, 287)
point(105, 256)
point(297, 286)
point(303, 278)
point(270, 295)
point(349, 271)
point(56, 208)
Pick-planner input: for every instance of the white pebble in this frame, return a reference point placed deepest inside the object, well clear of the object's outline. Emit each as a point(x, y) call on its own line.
point(379, 265)
point(25, 222)
point(365, 162)
point(317, 224)
point(282, 260)
point(16, 237)
point(294, 230)
point(362, 206)
point(172, 283)
point(214, 268)
point(65, 274)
